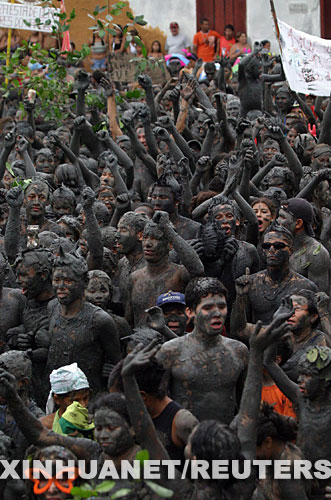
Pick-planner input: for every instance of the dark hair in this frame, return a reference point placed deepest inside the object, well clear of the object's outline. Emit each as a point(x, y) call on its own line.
point(264, 42)
point(159, 49)
point(267, 201)
point(209, 66)
point(204, 19)
point(113, 401)
point(275, 425)
point(239, 33)
point(212, 440)
point(229, 26)
point(150, 379)
point(201, 287)
point(282, 231)
point(311, 302)
point(72, 224)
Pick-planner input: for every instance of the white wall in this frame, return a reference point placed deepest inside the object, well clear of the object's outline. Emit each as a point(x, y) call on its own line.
point(303, 15)
point(162, 12)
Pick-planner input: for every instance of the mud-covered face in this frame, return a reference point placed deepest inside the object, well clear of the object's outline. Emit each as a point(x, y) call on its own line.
point(276, 250)
point(112, 432)
point(7, 179)
point(45, 163)
point(67, 287)
point(107, 178)
point(310, 386)
point(141, 136)
point(175, 317)
point(233, 108)
point(30, 280)
point(269, 149)
point(62, 206)
point(108, 198)
point(127, 238)
point(321, 161)
point(97, 292)
point(301, 318)
point(154, 244)
point(126, 146)
point(291, 135)
point(225, 218)
point(286, 220)
point(36, 199)
point(210, 315)
point(163, 199)
point(283, 100)
point(263, 214)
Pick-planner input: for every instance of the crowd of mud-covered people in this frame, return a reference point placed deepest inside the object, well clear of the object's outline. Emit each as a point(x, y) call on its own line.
point(165, 280)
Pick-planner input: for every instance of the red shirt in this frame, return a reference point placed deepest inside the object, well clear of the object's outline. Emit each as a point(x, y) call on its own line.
point(205, 43)
point(225, 45)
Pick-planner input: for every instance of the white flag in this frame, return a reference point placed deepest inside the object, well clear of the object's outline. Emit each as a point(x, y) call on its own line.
point(306, 61)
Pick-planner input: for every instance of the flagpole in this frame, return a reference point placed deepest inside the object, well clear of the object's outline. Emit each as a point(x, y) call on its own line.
point(274, 16)
point(8, 48)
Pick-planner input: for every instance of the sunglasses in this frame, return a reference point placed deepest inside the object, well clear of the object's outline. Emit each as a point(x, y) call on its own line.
point(278, 245)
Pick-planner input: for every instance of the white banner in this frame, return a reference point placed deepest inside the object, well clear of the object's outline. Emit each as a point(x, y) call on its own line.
point(12, 15)
point(306, 60)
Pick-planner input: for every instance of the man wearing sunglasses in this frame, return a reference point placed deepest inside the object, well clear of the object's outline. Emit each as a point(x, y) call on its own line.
point(309, 256)
point(263, 292)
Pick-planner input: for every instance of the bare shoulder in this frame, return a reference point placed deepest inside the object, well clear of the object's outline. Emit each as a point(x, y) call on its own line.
point(170, 350)
point(136, 275)
point(236, 347)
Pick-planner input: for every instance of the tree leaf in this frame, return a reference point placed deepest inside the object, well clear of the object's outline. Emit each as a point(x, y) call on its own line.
point(105, 486)
point(130, 15)
point(141, 455)
point(159, 490)
point(120, 493)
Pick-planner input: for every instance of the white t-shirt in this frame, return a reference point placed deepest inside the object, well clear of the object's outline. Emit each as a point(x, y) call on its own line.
point(175, 44)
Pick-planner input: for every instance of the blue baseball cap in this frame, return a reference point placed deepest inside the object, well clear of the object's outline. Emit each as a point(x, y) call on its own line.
point(171, 297)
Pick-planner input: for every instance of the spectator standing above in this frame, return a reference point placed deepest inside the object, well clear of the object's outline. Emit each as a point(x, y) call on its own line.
point(227, 40)
point(176, 42)
point(156, 50)
point(241, 47)
point(206, 42)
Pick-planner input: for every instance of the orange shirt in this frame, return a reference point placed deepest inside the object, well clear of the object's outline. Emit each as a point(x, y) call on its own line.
point(225, 46)
point(274, 396)
point(205, 43)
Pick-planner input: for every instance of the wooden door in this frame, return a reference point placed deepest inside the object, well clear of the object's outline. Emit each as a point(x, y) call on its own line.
point(222, 12)
point(325, 6)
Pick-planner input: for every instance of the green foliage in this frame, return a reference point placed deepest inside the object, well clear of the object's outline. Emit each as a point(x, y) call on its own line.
point(17, 181)
point(320, 356)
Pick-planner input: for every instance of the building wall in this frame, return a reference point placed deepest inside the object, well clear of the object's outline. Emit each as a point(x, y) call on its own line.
point(303, 15)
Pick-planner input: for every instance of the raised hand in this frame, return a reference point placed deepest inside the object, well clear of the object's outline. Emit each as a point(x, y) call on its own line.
point(274, 131)
point(161, 218)
point(161, 134)
point(242, 125)
point(188, 91)
point(7, 385)
point(155, 318)
point(54, 138)
point(279, 160)
point(203, 164)
point(174, 94)
point(80, 122)
point(234, 167)
point(144, 114)
point(165, 122)
point(29, 106)
point(10, 140)
point(108, 87)
point(15, 197)
point(82, 80)
point(145, 81)
point(243, 284)
point(22, 145)
point(139, 357)
point(88, 197)
point(122, 201)
point(127, 118)
point(103, 135)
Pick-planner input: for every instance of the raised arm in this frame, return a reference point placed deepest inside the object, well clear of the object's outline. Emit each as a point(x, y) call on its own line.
point(251, 396)
point(94, 237)
point(14, 198)
point(294, 164)
point(23, 147)
point(145, 82)
point(9, 143)
point(187, 255)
